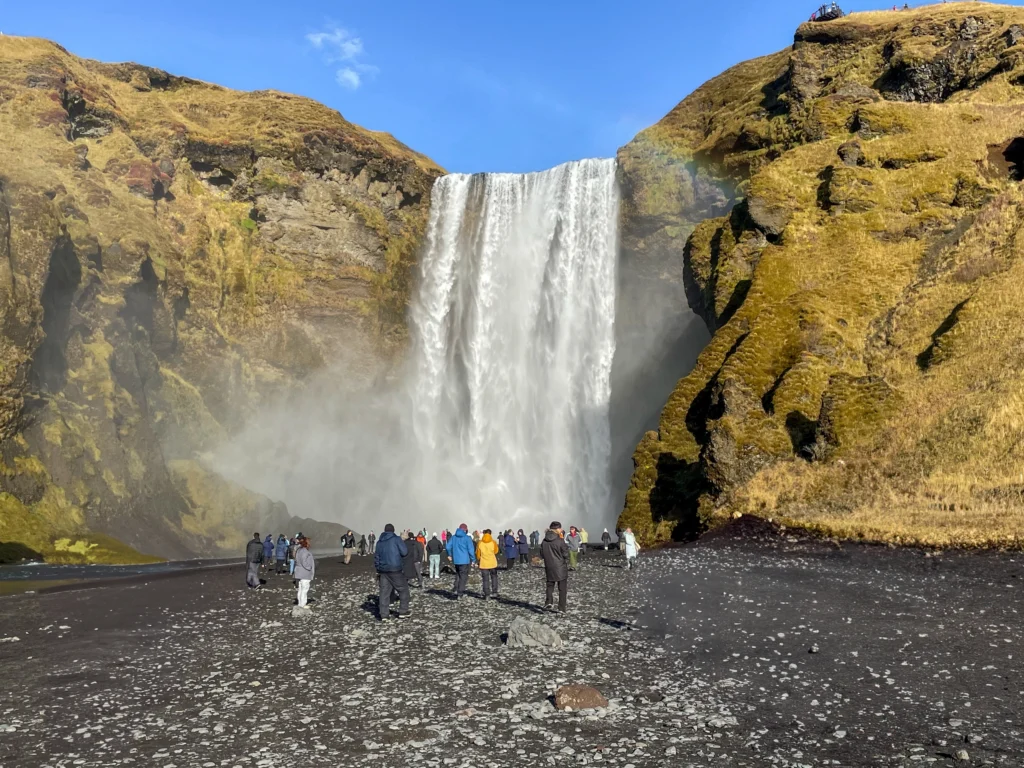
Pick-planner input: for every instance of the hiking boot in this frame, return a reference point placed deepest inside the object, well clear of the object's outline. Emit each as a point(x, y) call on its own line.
point(403, 615)
point(549, 607)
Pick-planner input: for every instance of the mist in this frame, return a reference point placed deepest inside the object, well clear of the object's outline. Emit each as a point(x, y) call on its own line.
point(533, 369)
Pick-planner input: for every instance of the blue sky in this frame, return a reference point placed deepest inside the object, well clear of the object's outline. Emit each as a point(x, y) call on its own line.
point(492, 85)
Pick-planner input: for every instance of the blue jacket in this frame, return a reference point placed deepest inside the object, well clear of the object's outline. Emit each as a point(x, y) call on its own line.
point(461, 548)
point(282, 548)
point(268, 547)
point(511, 547)
point(524, 544)
point(387, 558)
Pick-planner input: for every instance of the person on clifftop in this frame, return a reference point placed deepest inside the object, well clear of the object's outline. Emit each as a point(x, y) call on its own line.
point(388, 561)
point(253, 559)
point(462, 551)
point(555, 553)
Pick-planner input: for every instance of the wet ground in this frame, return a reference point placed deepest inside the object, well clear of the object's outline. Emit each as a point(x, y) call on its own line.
point(745, 651)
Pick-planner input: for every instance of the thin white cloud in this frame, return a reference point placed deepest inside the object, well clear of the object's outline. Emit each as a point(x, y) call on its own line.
point(348, 78)
point(339, 45)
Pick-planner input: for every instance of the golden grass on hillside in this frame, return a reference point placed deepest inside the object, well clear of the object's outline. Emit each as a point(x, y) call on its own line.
point(868, 382)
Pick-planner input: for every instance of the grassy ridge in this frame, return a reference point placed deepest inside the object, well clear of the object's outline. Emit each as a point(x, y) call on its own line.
point(863, 280)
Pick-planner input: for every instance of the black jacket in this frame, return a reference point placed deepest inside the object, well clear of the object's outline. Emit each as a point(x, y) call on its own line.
point(434, 546)
point(555, 552)
point(413, 561)
point(254, 551)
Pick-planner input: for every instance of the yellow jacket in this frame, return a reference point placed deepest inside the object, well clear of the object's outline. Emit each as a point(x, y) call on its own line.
point(487, 552)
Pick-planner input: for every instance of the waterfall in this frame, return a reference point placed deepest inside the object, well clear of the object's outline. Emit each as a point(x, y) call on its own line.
point(514, 338)
point(500, 414)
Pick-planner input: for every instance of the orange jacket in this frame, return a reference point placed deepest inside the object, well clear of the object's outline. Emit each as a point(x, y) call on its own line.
point(487, 552)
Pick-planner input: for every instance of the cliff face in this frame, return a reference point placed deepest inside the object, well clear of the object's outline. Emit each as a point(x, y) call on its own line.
point(172, 254)
point(849, 214)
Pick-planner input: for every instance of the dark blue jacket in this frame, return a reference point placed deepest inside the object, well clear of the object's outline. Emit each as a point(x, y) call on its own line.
point(282, 548)
point(387, 558)
point(461, 548)
point(524, 544)
point(268, 547)
point(511, 548)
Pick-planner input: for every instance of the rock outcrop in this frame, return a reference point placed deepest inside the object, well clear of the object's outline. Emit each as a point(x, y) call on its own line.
point(172, 254)
point(850, 215)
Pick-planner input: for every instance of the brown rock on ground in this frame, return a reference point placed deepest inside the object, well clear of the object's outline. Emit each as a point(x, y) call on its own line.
point(579, 697)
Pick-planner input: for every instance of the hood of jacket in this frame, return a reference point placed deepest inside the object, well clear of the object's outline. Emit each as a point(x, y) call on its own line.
point(550, 535)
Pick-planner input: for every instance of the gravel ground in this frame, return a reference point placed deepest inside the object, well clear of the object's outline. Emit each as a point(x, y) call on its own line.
point(753, 648)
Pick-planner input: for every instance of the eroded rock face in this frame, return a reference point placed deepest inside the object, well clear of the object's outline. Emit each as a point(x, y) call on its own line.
point(173, 254)
point(854, 366)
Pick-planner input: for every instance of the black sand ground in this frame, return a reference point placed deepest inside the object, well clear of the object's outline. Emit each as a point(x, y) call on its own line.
point(753, 650)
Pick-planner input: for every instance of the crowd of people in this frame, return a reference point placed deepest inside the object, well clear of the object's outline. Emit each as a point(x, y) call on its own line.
point(399, 560)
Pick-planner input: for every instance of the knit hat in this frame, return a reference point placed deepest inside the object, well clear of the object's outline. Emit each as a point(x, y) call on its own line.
point(389, 528)
point(555, 525)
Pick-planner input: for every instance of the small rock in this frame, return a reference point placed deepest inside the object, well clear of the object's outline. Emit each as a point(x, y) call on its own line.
point(301, 612)
point(579, 697)
point(813, 649)
point(961, 756)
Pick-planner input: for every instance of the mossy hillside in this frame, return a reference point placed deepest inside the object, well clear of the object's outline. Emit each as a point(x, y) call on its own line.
point(804, 406)
point(182, 253)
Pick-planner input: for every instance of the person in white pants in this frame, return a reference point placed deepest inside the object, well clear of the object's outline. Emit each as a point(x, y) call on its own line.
point(305, 566)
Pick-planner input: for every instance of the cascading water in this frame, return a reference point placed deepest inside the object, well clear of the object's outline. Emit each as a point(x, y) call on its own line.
point(515, 337)
point(501, 414)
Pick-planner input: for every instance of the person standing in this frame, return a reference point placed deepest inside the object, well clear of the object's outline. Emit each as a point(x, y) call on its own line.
point(363, 546)
point(511, 550)
point(574, 542)
point(281, 553)
point(584, 540)
point(268, 550)
point(555, 553)
point(371, 540)
point(348, 543)
point(631, 547)
point(387, 559)
point(305, 566)
point(412, 564)
point(293, 547)
point(606, 539)
point(524, 548)
point(462, 551)
point(434, 550)
point(487, 555)
point(253, 559)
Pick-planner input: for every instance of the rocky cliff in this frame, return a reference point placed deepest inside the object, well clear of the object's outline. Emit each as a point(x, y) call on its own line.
point(849, 212)
point(172, 254)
